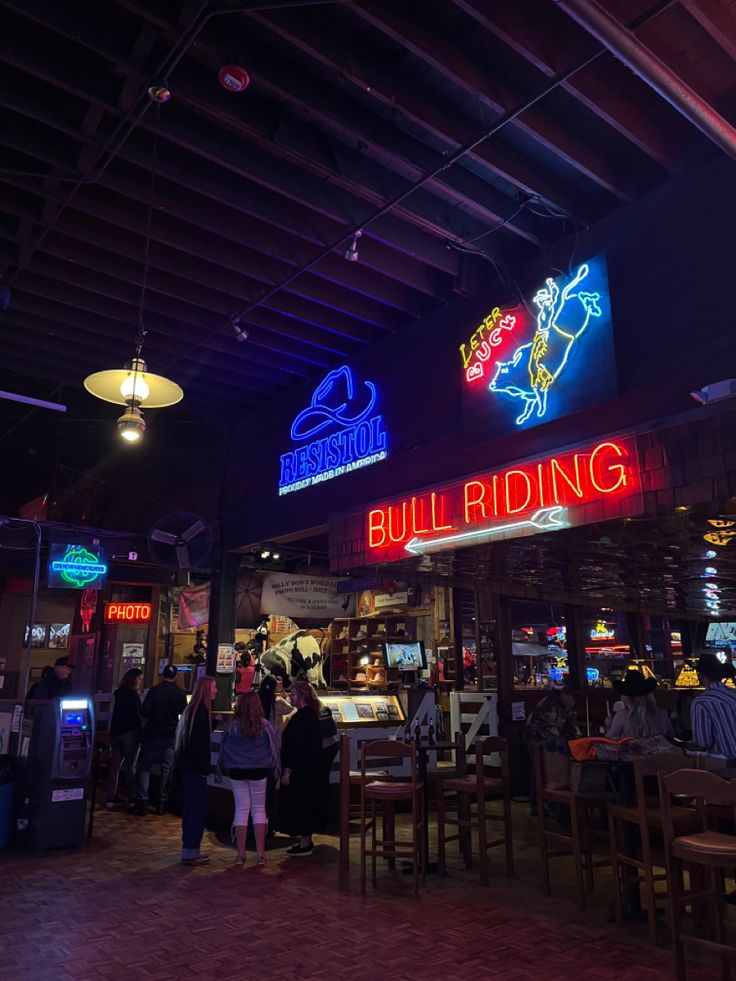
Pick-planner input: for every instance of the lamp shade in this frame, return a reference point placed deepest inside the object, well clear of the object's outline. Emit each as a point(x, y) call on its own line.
point(133, 383)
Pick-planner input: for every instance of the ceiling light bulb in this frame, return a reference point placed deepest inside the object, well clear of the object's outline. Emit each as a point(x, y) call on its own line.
point(134, 388)
point(276, 556)
point(265, 553)
point(711, 571)
point(131, 424)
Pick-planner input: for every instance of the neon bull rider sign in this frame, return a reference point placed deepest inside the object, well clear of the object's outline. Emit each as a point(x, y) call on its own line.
point(340, 431)
point(535, 496)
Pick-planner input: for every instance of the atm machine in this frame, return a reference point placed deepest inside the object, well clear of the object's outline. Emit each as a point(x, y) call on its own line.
point(58, 766)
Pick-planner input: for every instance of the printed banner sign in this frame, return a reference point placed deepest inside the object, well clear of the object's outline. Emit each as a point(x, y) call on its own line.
point(194, 606)
point(542, 358)
point(338, 432)
point(592, 483)
point(301, 597)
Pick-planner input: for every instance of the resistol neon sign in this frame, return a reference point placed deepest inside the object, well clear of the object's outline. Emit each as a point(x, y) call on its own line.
point(350, 433)
point(524, 499)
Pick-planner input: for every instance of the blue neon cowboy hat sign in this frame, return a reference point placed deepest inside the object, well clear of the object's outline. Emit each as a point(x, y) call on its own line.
point(334, 402)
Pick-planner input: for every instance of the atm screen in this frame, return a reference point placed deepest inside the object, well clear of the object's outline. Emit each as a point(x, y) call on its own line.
point(73, 718)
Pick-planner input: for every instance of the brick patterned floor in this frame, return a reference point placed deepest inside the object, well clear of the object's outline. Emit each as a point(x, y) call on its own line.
point(122, 907)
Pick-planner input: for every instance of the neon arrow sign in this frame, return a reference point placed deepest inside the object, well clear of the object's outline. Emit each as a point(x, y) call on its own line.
point(546, 519)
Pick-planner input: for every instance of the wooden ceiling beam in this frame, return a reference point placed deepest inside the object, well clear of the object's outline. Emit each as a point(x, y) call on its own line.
point(608, 89)
point(448, 56)
point(52, 320)
point(235, 199)
point(351, 158)
point(66, 287)
point(718, 19)
point(266, 166)
point(176, 285)
point(402, 96)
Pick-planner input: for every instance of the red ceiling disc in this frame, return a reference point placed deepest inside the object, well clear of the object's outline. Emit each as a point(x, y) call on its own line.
point(234, 78)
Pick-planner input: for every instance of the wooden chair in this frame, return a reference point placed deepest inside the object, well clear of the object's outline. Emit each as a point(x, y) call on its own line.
point(643, 815)
point(383, 794)
point(578, 842)
point(708, 851)
point(349, 811)
point(475, 788)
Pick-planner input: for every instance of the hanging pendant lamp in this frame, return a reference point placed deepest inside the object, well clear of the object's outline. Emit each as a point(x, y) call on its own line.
point(134, 385)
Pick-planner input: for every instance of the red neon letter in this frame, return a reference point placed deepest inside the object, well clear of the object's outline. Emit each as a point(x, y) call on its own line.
point(376, 527)
point(574, 484)
point(400, 534)
point(416, 524)
point(526, 502)
point(613, 468)
point(475, 493)
point(435, 525)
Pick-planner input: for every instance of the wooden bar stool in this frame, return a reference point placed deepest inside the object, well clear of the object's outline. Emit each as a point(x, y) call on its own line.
point(645, 815)
point(485, 781)
point(349, 811)
point(706, 850)
point(382, 795)
point(578, 842)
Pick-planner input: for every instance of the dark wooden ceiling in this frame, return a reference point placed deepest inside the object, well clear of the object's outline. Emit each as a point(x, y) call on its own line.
point(255, 195)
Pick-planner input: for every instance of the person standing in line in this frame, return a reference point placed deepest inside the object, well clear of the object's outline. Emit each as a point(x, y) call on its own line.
point(193, 737)
point(302, 770)
point(54, 682)
point(249, 756)
point(713, 713)
point(277, 711)
point(161, 707)
point(125, 736)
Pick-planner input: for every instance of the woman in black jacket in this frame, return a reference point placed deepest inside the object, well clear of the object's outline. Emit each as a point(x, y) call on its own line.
point(302, 769)
point(125, 736)
point(193, 764)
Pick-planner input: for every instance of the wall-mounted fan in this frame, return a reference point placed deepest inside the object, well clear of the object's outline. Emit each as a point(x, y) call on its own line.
point(180, 540)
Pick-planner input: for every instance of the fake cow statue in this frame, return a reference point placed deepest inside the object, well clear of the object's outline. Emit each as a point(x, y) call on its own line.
point(296, 656)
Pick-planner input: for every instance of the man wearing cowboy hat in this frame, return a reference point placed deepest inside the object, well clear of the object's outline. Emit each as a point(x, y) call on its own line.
point(639, 717)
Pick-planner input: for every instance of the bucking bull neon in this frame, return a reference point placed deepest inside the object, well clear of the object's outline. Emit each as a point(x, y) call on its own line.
point(563, 313)
point(530, 497)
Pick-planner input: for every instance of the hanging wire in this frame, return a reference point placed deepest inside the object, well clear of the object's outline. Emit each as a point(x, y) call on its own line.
point(149, 222)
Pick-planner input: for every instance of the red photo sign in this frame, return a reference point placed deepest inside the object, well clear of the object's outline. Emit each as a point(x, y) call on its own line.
point(127, 613)
point(565, 489)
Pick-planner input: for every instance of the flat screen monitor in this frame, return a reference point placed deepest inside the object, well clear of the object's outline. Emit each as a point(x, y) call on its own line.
point(407, 656)
point(720, 635)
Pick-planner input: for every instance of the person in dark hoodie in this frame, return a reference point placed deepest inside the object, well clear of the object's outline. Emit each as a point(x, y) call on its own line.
point(193, 764)
point(161, 707)
point(125, 736)
point(54, 682)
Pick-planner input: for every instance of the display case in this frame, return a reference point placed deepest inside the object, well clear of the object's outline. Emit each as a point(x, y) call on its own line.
point(350, 711)
point(356, 645)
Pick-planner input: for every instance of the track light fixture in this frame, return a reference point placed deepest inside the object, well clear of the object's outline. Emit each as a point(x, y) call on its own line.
point(351, 253)
point(240, 334)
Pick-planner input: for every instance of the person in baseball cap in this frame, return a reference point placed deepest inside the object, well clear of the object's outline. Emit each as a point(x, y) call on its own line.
point(54, 683)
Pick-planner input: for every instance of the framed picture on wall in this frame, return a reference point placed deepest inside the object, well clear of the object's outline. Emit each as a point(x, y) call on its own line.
point(39, 634)
point(59, 635)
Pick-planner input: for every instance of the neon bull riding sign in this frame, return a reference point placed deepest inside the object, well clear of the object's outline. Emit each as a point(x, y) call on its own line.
point(340, 432)
point(524, 499)
point(547, 357)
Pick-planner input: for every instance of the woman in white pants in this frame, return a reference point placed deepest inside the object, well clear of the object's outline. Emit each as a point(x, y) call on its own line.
point(248, 756)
